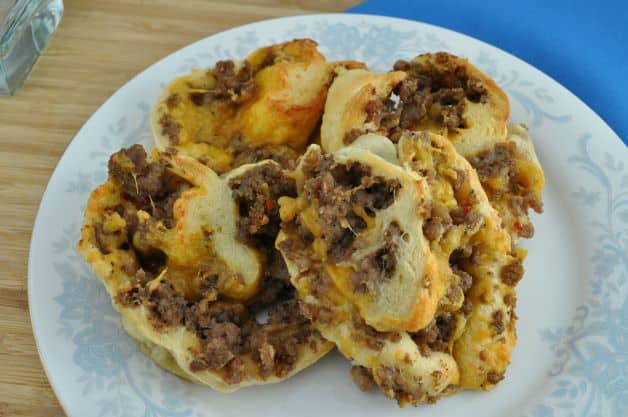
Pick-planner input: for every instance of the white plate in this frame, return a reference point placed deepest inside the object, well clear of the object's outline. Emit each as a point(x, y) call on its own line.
point(572, 354)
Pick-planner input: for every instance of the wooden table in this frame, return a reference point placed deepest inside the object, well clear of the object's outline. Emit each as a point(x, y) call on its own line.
point(98, 47)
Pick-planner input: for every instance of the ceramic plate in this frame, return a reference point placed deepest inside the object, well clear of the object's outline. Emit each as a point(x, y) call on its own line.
point(572, 354)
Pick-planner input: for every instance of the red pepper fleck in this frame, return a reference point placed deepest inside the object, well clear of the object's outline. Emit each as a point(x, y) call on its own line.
point(269, 204)
point(518, 227)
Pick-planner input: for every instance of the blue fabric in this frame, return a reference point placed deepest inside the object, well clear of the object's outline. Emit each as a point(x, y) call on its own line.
point(582, 45)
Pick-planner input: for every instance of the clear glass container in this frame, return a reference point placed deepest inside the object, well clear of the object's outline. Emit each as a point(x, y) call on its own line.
point(25, 28)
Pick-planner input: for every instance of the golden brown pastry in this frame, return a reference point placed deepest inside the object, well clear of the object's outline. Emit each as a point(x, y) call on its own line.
point(444, 94)
point(354, 247)
point(188, 260)
point(349, 109)
point(365, 218)
point(264, 107)
point(512, 177)
point(447, 95)
point(465, 230)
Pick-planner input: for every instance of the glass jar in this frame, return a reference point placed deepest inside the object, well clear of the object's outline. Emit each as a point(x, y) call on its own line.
point(25, 28)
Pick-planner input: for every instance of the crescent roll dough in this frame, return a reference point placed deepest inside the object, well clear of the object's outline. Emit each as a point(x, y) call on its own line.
point(481, 250)
point(264, 107)
point(443, 94)
point(353, 243)
point(347, 114)
point(180, 252)
point(365, 217)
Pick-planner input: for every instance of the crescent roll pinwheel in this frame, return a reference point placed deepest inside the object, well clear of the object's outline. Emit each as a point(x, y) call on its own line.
point(266, 106)
point(444, 94)
point(174, 245)
point(356, 252)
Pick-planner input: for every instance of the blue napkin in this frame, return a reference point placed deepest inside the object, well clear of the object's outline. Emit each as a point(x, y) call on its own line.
point(582, 45)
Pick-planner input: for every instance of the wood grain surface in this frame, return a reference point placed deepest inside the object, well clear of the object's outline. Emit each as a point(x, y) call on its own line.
point(98, 46)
